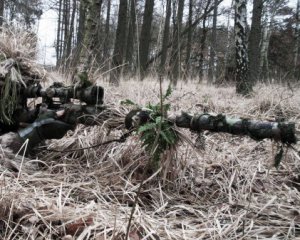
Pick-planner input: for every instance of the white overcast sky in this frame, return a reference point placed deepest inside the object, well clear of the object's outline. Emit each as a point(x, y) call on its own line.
point(47, 33)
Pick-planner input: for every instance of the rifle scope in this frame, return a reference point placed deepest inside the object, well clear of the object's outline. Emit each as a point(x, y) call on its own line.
point(90, 95)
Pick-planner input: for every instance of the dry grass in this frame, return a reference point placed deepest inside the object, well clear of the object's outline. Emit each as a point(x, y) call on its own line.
point(228, 191)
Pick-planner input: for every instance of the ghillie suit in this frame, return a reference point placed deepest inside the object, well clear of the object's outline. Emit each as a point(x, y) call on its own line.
point(13, 104)
point(17, 71)
point(24, 121)
point(19, 74)
point(10, 87)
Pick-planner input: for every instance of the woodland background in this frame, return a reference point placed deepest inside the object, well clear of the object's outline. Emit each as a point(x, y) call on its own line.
point(179, 40)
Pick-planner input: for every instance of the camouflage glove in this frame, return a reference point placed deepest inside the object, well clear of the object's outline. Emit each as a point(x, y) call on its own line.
point(136, 118)
point(45, 127)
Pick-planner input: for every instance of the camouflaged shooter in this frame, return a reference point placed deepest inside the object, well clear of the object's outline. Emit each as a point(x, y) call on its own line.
point(61, 108)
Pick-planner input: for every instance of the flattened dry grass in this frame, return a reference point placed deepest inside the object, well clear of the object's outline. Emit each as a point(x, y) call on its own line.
point(229, 190)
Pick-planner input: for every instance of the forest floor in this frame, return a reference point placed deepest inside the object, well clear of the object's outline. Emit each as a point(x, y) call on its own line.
point(226, 189)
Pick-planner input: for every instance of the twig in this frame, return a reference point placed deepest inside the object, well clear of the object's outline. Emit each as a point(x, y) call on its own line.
point(121, 139)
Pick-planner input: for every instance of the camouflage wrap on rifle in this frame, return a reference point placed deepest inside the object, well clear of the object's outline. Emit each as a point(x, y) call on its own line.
point(257, 130)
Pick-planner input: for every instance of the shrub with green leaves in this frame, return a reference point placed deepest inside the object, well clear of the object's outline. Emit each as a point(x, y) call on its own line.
point(157, 134)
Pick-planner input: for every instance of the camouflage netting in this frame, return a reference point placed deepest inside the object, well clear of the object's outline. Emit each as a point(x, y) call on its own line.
point(18, 68)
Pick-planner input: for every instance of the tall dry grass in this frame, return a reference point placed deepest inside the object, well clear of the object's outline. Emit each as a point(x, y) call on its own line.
point(229, 190)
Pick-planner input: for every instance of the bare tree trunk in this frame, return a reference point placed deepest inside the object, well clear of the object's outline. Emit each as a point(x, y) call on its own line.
point(297, 39)
point(264, 62)
point(81, 22)
point(228, 38)
point(166, 36)
point(213, 46)
point(118, 55)
point(146, 36)
point(68, 49)
point(87, 36)
point(203, 39)
point(80, 33)
point(72, 27)
point(62, 30)
point(1, 12)
point(99, 32)
point(58, 36)
point(242, 84)
point(107, 31)
point(189, 38)
point(92, 30)
point(66, 25)
point(254, 42)
point(202, 47)
point(131, 36)
point(267, 30)
point(175, 60)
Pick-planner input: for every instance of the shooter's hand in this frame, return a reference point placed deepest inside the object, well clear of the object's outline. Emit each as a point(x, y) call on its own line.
point(45, 127)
